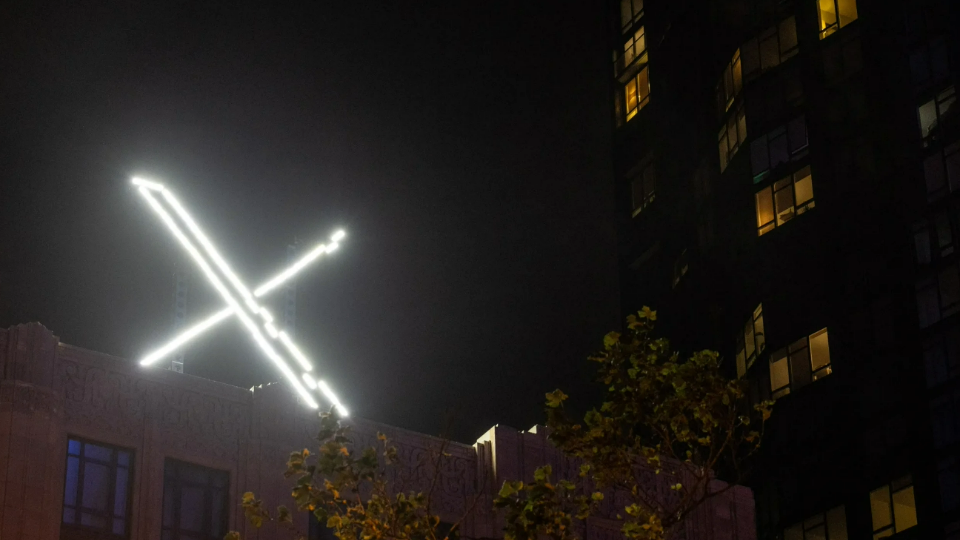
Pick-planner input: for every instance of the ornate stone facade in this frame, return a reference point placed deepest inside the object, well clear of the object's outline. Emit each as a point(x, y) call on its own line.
point(50, 391)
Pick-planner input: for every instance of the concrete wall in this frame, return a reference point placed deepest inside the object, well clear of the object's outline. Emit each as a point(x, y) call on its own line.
point(50, 391)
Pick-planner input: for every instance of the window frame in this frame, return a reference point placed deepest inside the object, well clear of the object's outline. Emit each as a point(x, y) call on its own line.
point(901, 485)
point(796, 351)
point(799, 530)
point(636, 14)
point(731, 84)
point(746, 361)
point(782, 188)
point(642, 73)
point(76, 529)
point(175, 531)
point(940, 105)
point(795, 150)
point(736, 124)
point(751, 52)
point(643, 187)
point(827, 30)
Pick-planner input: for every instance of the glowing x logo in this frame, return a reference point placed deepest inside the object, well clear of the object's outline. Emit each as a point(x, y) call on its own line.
point(246, 310)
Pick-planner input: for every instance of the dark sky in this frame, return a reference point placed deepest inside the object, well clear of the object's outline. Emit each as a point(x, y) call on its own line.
point(465, 147)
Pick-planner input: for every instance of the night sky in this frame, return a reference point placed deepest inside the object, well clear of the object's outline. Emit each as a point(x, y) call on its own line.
point(464, 146)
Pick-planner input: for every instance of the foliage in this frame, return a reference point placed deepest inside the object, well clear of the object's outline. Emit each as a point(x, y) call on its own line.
point(351, 493)
point(663, 422)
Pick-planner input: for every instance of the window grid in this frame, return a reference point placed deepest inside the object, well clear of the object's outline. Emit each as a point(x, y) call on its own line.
point(830, 525)
point(781, 145)
point(808, 356)
point(784, 200)
point(635, 48)
point(943, 418)
point(751, 342)
point(680, 267)
point(892, 508)
point(730, 85)
point(772, 47)
point(835, 14)
point(732, 136)
point(941, 172)
point(636, 92)
point(195, 502)
point(96, 489)
point(934, 113)
point(631, 11)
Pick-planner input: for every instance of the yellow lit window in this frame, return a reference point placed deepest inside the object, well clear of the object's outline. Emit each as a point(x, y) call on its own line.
point(835, 14)
point(803, 361)
point(819, 355)
point(730, 84)
point(751, 343)
point(731, 136)
point(635, 48)
point(779, 374)
point(637, 92)
point(630, 12)
point(783, 201)
point(893, 508)
point(831, 525)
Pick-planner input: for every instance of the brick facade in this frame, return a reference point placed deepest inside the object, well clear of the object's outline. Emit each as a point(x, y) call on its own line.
point(50, 391)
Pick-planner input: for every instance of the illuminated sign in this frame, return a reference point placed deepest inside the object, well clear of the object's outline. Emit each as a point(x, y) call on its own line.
point(255, 318)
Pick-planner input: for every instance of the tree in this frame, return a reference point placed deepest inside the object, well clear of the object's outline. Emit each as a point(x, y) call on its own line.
point(663, 421)
point(351, 492)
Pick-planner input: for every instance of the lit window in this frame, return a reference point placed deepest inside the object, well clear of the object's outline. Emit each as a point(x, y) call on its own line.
point(893, 508)
point(731, 137)
point(831, 525)
point(195, 504)
point(949, 479)
point(934, 113)
point(751, 342)
point(630, 12)
point(634, 48)
point(96, 494)
point(771, 48)
point(643, 188)
point(781, 145)
point(835, 14)
point(805, 360)
point(637, 92)
point(730, 84)
point(785, 199)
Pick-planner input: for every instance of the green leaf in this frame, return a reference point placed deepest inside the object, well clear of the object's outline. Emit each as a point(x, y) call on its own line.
point(556, 398)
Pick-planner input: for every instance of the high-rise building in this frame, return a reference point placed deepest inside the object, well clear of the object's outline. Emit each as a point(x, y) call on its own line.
point(788, 175)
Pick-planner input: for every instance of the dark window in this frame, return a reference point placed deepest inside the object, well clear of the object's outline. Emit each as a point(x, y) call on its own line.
point(194, 502)
point(941, 171)
point(772, 47)
point(949, 483)
point(938, 296)
point(929, 64)
point(943, 415)
point(643, 188)
point(941, 356)
point(784, 144)
point(842, 59)
point(751, 342)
